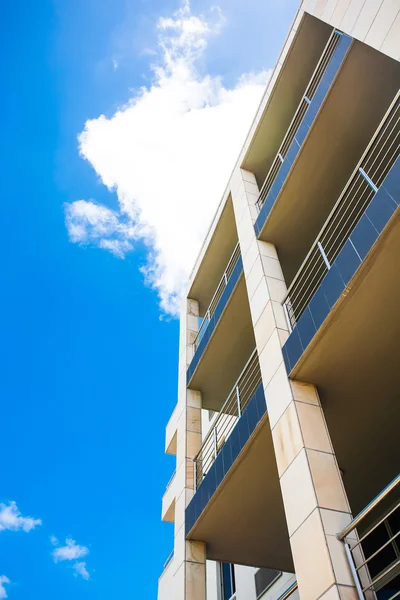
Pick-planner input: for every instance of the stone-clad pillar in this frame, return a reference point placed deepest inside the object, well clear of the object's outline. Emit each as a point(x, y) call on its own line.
point(314, 498)
point(189, 557)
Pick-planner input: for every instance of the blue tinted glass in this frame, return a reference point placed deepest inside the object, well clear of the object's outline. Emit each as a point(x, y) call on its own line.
point(226, 581)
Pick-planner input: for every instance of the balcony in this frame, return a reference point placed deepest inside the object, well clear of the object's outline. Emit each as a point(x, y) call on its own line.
point(353, 106)
point(216, 308)
point(237, 482)
point(372, 543)
point(367, 203)
point(314, 95)
point(168, 501)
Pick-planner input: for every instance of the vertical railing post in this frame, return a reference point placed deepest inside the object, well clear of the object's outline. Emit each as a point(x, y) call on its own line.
point(195, 474)
point(215, 442)
point(238, 402)
point(324, 256)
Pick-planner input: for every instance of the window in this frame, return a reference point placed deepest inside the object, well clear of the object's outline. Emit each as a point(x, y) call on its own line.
point(228, 585)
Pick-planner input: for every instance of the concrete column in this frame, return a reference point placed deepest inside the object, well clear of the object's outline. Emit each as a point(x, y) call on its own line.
point(314, 498)
point(189, 557)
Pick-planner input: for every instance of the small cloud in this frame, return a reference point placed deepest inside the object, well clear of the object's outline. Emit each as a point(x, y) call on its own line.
point(80, 569)
point(71, 551)
point(115, 64)
point(12, 520)
point(3, 580)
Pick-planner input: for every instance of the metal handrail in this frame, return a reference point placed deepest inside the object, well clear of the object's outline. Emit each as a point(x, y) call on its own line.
point(217, 294)
point(298, 115)
point(377, 500)
point(377, 159)
point(169, 559)
point(386, 574)
point(233, 407)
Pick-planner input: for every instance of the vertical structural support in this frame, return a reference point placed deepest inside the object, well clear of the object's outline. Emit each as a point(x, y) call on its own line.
point(314, 498)
point(189, 570)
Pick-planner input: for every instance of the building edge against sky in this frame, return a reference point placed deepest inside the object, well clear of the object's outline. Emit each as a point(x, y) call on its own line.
point(286, 424)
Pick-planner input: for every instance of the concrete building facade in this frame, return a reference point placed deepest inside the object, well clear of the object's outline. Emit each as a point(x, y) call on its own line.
point(286, 427)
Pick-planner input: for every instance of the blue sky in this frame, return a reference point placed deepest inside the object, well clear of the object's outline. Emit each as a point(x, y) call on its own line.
point(88, 350)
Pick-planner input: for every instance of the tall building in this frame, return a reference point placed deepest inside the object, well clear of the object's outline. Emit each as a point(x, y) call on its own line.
point(286, 427)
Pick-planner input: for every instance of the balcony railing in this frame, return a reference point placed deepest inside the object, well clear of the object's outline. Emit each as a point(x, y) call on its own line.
point(299, 114)
point(217, 295)
point(169, 559)
point(374, 558)
point(375, 164)
point(225, 421)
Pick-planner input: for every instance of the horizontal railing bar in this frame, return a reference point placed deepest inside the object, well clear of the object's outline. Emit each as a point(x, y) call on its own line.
point(357, 520)
point(291, 131)
point(382, 575)
point(344, 192)
point(169, 558)
point(377, 551)
point(395, 595)
point(222, 284)
point(385, 516)
point(289, 591)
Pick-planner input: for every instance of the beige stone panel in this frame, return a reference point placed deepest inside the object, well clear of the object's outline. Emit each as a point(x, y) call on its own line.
point(251, 187)
point(279, 313)
point(181, 439)
point(278, 395)
point(179, 584)
point(298, 493)
point(252, 199)
point(347, 592)
point(253, 213)
point(319, 8)
point(259, 300)
point(193, 419)
point(193, 444)
point(331, 594)
point(267, 249)
point(311, 558)
point(351, 15)
point(287, 438)
point(190, 469)
point(254, 277)
point(382, 23)
point(179, 547)
point(195, 575)
point(334, 521)
point(195, 552)
point(313, 426)
point(272, 268)
point(190, 336)
point(264, 327)
point(247, 175)
point(270, 358)
point(283, 336)
point(365, 19)
point(245, 230)
point(339, 560)
point(277, 289)
point(327, 481)
point(180, 506)
point(304, 392)
point(193, 398)
point(329, 10)
point(391, 44)
point(239, 203)
point(192, 307)
point(250, 256)
point(339, 12)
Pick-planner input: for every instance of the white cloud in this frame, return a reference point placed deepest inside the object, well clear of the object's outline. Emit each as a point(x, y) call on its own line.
point(3, 580)
point(11, 519)
point(168, 154)
point(71, 551)
point(80, 569)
